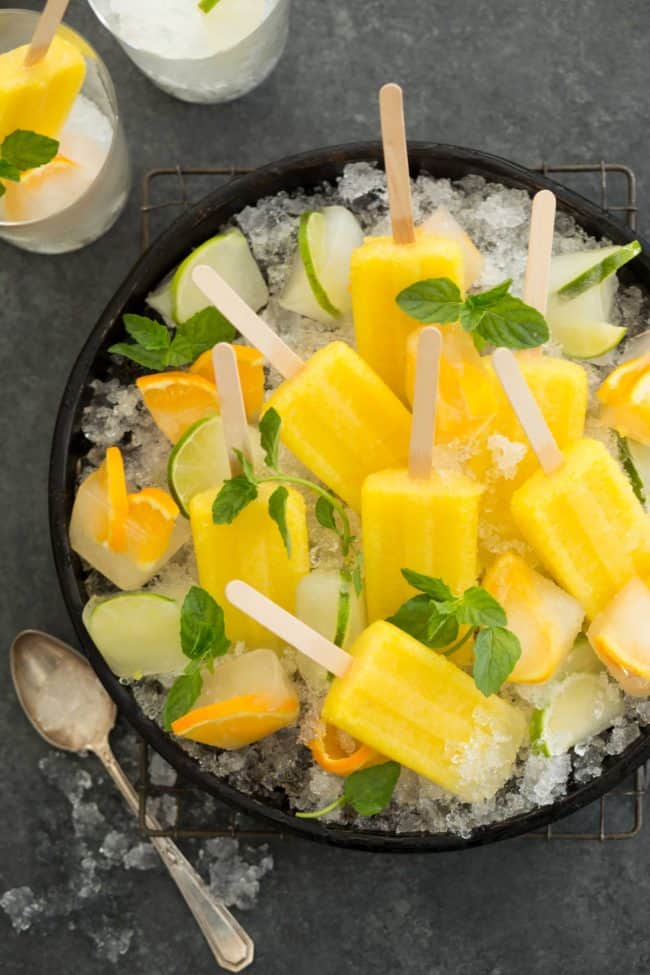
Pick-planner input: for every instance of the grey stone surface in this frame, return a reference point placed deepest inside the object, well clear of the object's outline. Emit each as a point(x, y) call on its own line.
point(530, 79)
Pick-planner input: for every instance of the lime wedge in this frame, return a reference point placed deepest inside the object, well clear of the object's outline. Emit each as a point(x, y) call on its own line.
point(582, 338)
point(320, 604)
point(198, 462)
point(610, 260)
point(137, 633)
point(635, 458)
point(229, 255)
point(318, 286)
point(581, 706)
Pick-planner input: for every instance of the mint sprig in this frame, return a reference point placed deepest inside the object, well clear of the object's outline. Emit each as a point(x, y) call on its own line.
point(154, 347)
point(203, 637)
point(368, 791)
point(435, 616)
point(493, 317)
point(23, 150)
point(239, 491)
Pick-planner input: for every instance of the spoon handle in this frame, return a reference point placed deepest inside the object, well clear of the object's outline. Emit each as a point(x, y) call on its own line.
point(230, 945)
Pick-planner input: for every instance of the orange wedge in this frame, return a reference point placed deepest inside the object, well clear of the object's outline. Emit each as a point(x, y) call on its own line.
point(114, 483)
point(250, 365)
point(176, 400)
point(152, 516)
point(237, 722)
point(330, 754)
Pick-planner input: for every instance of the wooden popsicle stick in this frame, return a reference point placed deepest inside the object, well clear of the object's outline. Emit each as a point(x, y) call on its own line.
point(396, 163)
point(423, 425)
point(231, 400)
point(251, 326)
point(46, 28)
point(288, 627)
point(528, 412)
point(540, 248)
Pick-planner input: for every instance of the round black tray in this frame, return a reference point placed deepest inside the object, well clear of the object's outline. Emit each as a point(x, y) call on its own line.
point(197, 224)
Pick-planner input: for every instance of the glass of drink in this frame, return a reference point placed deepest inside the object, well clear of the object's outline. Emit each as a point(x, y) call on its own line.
point(76, 197)
point(200, 55)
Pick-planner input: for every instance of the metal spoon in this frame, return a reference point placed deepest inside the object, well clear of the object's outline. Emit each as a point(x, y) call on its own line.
point(68, 706)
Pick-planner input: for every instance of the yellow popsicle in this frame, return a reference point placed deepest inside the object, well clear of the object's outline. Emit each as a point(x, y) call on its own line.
point(39, 97)
point(379, 271)
point(341, 420)
point(585, 524)
point(251, 548)
point(416, 707)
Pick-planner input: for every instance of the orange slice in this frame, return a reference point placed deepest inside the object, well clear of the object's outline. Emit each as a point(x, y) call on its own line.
point(114, 483)
point(19, 195)
point(250, 365)
point(329, 753)
point(152, 516)
point(176, 400)
point(237, 722)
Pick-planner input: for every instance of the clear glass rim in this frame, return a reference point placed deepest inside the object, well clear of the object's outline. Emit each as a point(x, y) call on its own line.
point(144, 50)
point(16, 224)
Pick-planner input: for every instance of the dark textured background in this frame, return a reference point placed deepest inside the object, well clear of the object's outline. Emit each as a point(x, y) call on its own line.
point(529, 79)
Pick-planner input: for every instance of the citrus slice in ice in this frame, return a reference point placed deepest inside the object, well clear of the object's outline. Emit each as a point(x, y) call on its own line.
point(112, 474)
point(606, 263)
point(198, 462)
point(43, 190)
point(137, 633)
point(319, 284)
point(581, 338)
point(230, 256)
point(250, 366)
point(152, 515)
point(581, 706)
point(176, 400)
point(236, 722)
point(329, 752)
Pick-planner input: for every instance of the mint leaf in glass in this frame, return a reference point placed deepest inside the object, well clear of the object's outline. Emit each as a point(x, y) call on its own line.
point(28, 150)
point(7, 171)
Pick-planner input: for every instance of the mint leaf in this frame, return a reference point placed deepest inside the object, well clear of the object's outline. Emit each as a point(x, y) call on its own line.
point(181, 697)
point(435, 588)
point(203, 631)
point(147, 332)
point(27, 150)
point(270, 436)
point(490, 296)
point(7, 171)
point(202, 332)
point(441, 631)
point(506, 322)
point(278, 512)
point(496, 651)
point(2, 190)
point(324, 512)
point(247, 468)
point(478, 608)
point(207, 5)
point(432, 300)
point(370, 790)
point(232, 498)
point(414, 616)
point(129, 350)
point(628, 465)
point(181, 352)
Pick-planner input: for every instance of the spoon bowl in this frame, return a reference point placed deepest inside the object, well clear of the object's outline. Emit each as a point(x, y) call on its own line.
point(60, 693)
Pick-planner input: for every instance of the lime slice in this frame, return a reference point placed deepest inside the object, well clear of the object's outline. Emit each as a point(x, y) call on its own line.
point(635, 458)
point(610, 260)
point(137, 633)
point(198, 462)
point(581, 706)
point(318, 286)
point(319, 603)
point(581, 338)
point(582, 659)
point(229, 255)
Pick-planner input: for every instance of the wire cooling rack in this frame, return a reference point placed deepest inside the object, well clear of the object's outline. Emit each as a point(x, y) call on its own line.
point(619, 814)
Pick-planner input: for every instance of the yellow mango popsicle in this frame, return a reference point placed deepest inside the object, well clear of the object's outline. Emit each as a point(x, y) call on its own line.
point(338, 417)
point(579, 513)
point(384, 266)
point(250, 547)
point(417, 517)
point(38, 97)
point(407, 702)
